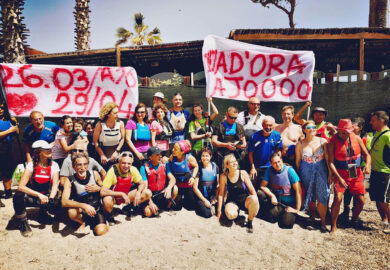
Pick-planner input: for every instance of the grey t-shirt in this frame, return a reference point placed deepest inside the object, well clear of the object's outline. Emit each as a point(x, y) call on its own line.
point(67, 169)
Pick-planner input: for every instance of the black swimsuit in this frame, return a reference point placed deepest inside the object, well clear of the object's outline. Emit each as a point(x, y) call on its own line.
point(237, 192)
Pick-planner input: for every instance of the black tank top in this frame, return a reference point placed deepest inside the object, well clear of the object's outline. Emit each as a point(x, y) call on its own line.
point(236, 190)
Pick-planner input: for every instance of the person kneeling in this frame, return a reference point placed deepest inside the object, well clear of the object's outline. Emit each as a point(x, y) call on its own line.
point(117, 187)
point(279, 183)
point(82, 196)
point(155, 174)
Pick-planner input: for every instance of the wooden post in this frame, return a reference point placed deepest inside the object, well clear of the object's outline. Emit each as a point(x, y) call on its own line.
point(192, 78)
point(361, 58)
point(338, 73)
point(118, 56)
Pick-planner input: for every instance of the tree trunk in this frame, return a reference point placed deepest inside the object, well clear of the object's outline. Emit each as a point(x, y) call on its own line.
point(378, 13)
point(13, 34)
point(81, 14)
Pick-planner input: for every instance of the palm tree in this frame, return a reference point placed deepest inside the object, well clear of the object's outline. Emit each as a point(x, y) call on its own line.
point(142, 36)
point(81, 14)
point(378, 13)
point(13, 31)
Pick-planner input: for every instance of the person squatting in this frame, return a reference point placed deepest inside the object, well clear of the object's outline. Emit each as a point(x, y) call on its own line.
point(166, 159)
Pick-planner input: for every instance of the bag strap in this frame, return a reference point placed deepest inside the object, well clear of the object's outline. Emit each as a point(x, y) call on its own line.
point(376, 139)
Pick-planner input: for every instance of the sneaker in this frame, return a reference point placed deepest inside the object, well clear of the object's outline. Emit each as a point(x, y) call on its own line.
point(249, 226)
point(8, 194)
point(112, 221)
point(25, 229)
point(386, 227)
point(45, 218)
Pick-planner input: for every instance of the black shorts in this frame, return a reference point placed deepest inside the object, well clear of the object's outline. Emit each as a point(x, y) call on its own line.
point(159, 199)
point(380, 187)
point(95, 220)
point(239, 201)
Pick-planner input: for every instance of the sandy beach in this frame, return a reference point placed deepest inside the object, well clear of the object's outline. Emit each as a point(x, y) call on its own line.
point(182, 240)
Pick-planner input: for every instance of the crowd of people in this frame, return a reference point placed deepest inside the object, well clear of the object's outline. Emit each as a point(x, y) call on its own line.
point(166, 159)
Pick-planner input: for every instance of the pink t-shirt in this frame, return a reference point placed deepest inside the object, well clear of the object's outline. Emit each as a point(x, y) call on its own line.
point(163, 145)
point(57, 150)
point(141, 146)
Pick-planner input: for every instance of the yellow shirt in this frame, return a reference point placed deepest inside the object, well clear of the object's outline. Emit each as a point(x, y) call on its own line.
point(110, 179)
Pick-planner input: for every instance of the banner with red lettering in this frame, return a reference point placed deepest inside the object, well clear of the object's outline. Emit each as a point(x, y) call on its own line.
point(73, 90)
point(239, 71)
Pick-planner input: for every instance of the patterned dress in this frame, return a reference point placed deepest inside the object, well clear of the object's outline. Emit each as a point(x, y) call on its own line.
point(314, 175)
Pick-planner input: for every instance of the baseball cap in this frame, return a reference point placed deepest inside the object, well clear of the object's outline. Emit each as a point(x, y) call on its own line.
point(153, 151)
point(159, 95)
point(42, 144)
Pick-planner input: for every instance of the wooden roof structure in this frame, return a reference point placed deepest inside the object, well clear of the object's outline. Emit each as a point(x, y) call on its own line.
point(365, 49)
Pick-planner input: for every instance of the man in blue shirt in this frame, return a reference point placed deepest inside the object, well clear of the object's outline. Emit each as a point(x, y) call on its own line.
point(262, 145)
point(39, 129)
point(155, 174)
point(178, 118)
point(280, 193)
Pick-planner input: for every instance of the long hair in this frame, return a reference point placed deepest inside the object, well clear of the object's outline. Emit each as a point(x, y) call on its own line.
point(140, 105)
point(225, 163)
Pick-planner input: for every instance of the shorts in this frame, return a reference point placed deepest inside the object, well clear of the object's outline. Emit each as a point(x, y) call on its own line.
point(239, 201)
point(380, 187)
point(356, 186)
point(159, 200)
point(95, 220)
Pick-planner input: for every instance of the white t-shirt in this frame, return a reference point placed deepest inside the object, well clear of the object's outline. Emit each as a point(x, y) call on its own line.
point(54, 168)
point(251, 127)
point(57, 150)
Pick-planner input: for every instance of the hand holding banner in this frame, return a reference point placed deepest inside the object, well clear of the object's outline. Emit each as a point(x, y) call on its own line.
point(75, 90)
point(239, 71)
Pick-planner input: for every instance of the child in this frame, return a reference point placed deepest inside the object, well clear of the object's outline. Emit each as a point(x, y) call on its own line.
point(78, 131)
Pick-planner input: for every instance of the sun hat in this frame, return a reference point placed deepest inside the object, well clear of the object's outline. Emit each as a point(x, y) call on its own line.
point(42, 144)
point(320, 109)
point(159, 95)
point(346, 125)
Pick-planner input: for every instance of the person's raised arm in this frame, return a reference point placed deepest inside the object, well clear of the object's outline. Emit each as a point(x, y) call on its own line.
point(214, 108)
point(298, 116)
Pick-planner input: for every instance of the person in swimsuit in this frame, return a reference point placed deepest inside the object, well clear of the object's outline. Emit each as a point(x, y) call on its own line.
point(241, 193)
point(311, 161)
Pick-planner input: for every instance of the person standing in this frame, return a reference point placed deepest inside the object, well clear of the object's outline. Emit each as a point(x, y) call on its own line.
point(8, 127)
point(178, 118)
point(345, 156)
point(252, 118)
point(39, 129)
point(380, 176)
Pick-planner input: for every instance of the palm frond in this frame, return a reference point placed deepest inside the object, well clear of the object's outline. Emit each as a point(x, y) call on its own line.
point(139, 18)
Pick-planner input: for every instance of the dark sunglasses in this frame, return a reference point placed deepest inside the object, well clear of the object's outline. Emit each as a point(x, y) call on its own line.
point(77, 150)
point(231, 117)
point(140, 112)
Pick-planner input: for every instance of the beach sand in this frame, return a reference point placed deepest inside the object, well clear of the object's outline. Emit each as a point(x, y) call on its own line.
point(182, 240)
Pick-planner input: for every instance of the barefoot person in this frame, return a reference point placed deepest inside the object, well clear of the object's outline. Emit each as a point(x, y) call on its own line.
point(241, 194)
point(117, 186)
point(311, 160)
point(160, 181)
point(280, 193)
point(345, 156)
point(380, 176)
point(38, 187)
point(82, 196)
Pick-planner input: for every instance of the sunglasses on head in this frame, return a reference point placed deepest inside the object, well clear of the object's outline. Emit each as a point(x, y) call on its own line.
point(310, 127)
point(78, 150)
point(231, 117)
point(127, 154)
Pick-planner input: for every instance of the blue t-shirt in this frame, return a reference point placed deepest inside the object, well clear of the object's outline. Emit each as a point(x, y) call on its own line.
point(292, 176)
point(263, 147)
point(178, 135)
point(48, 133)
point(144, 174)
point(5, 125)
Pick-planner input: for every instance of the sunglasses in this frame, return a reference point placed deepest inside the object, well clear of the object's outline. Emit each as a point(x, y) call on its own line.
point(127, 154)
point(254, 104)
point(77, 151)
point(140, 112)
point(311, 127)
point(231, 117)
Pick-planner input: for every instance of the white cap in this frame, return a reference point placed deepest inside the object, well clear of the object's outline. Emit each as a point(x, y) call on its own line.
point(159, 95)
point(42, 144)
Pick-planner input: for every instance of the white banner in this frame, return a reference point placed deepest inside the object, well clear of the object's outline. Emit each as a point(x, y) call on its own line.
point(73, 90)
point(239, 71)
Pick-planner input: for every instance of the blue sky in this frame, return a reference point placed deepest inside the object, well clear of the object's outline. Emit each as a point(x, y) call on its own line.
point(51, 22)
